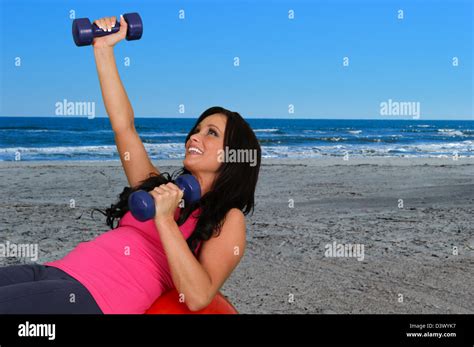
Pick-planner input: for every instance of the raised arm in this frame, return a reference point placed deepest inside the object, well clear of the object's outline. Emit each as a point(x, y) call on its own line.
point(134, 158)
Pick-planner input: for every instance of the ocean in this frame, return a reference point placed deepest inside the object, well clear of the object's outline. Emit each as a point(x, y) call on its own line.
point(68, 138)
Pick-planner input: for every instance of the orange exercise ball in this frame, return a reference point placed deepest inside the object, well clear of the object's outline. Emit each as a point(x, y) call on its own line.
point(168, 303)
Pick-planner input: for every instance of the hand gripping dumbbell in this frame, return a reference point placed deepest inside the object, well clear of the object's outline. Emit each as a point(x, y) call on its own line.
point(84, 32)
point(142, 205)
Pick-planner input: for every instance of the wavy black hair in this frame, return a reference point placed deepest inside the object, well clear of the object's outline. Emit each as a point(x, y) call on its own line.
point(234, 186)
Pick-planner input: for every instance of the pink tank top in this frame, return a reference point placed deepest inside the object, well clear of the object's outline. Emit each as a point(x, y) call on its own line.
point(124, 269)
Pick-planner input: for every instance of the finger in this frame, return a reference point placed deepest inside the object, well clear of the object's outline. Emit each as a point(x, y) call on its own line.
point(160, 190)
point(168, 187)
point(123, 26)
point(113, 20)
point(100, 23)
point(172, 186)
point(123, 22)
point(108, 23)
point(173, 190)
point(155, 195)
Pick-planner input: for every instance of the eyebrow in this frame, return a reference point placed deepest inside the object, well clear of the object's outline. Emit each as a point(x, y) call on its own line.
point(215, 126)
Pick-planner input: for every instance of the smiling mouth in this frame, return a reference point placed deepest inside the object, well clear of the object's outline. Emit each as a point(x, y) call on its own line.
point(194, 151)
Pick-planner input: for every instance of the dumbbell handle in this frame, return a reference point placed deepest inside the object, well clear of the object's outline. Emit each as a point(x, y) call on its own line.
point(98, 32)
point(133, 28)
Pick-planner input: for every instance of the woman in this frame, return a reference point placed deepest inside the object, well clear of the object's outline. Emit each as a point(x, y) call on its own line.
point(194, 248)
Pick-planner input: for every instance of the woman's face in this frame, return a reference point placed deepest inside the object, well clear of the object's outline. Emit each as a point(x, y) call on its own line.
point(208, 139)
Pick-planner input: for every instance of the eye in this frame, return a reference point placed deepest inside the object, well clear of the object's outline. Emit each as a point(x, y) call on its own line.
point(213, 131)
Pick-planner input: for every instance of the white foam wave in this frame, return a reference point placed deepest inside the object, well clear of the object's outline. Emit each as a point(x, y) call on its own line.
point(464, 148)
point(451, 132)
point(155, 134)
point(155, 151)
point(272, 130)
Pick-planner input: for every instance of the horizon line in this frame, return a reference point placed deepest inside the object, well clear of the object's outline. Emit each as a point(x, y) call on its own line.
point(257, 118)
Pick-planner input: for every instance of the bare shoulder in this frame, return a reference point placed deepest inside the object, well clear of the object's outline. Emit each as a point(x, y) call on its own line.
point(234, 220)
point(232, 234)
point(236, 214)
point(234, 229)
point(225, 251)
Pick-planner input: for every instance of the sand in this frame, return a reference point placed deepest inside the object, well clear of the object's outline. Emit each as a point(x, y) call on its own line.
point(418, 258)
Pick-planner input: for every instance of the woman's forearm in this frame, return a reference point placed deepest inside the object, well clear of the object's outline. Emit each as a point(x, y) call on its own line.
point(116, 101)
point(189, 277)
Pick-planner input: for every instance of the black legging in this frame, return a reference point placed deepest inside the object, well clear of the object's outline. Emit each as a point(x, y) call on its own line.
point(41, 289)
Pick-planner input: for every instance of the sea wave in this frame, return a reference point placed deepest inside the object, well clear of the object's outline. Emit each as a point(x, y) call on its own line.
point(451, 132)
point(155, 151)
point(61, 131)
point(176, 151)
point(155, 134)
point(271, 130)
point(465, 149)
point(330, 139)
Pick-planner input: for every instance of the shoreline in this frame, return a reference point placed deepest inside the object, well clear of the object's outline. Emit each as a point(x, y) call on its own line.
point(325, 161)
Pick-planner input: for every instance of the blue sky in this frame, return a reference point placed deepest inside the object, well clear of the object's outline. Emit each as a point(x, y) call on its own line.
point(282, 61)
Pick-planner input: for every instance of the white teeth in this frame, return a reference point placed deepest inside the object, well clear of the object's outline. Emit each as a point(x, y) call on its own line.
point(195, 150)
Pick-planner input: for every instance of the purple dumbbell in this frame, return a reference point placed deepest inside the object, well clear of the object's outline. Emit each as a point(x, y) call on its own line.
point(84, 32)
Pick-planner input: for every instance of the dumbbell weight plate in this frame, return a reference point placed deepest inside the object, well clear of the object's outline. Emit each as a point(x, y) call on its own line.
point(135, 26)
point(82, 32)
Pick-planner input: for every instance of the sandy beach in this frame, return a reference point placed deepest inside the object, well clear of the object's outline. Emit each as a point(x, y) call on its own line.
point(414, 218)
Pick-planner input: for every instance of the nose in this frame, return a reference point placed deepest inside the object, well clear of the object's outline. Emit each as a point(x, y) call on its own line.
point(195, 137)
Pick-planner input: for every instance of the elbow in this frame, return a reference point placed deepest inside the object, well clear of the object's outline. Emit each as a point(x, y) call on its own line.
point(123, 129)
point(198, 303)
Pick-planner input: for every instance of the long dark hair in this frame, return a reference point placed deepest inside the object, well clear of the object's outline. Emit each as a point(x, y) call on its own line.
point(234, 186)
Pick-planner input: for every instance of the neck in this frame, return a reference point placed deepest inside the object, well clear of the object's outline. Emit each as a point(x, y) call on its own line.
point(205, 182)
